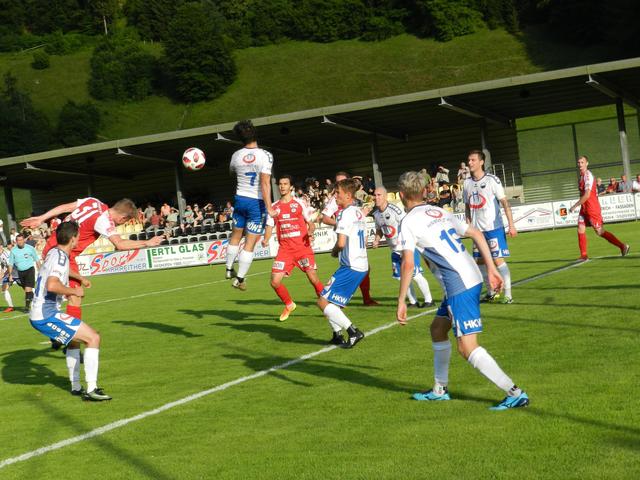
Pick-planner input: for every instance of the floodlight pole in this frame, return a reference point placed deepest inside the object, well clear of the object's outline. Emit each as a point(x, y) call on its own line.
point(377, 174)
point(483, 144)
point(624, 144)
point(11, 208)
point(179, 196)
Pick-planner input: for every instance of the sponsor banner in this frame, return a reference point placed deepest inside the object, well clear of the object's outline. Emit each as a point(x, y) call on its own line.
point(191, 254)
point(532, 217)
point(113, 262)
point(324, 238)
point(561, 215)
point(636, 198)
point(618, 208)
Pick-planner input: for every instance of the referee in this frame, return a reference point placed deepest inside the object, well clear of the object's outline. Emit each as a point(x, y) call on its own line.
point(24, 258)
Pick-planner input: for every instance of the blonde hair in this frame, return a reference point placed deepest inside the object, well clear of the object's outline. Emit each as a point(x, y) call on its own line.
point(412, 185)
point(127, 208)
point(348, 185)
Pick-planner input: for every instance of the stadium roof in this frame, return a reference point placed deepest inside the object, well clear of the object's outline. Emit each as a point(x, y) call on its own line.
point(302, 133)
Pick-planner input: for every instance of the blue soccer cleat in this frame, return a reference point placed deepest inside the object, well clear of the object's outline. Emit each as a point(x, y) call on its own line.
point(431, 396)
point(521, 400)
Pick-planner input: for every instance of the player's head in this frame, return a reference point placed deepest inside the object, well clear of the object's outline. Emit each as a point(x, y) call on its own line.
point(380, 195)
point(345, 191)
point(285, 184)
point(123, 211)
point(342, 176)
point(476, 159)
point(246, 131)
point(412, 186)
point(67, 234)
point(583, 163)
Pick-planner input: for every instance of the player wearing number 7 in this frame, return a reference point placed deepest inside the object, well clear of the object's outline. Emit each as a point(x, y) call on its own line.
point(436, 234)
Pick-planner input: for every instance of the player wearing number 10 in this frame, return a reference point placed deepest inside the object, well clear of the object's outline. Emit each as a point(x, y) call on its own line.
point(436, 234)
point(252, 166)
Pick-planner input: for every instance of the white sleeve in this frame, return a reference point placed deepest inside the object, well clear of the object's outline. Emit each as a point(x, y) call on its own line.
point(104, 225)
point(267, 163)
point(588, 181)
point(406, 239)
point(498, 189)
point(344, 222)
point(330, 208)
point(460, 226)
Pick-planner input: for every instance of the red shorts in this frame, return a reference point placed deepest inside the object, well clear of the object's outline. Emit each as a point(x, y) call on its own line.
point(588, 218)
point(285, 261)
point(73, 266)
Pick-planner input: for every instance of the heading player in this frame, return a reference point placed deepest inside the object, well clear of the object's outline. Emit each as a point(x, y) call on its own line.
point(46, 317)
point(294, 230)
point(94, 218)
point(388, 216)
point(252, 167)
point(436, 234)
point(351, 249)
point(483, 195)
point(329, 216)
point(590, 212)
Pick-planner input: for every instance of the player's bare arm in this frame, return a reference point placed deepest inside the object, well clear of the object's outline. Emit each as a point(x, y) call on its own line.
point(35, 222)
point(54, 285)
point(507, 211)
point(581, 201)
point(311, 227)
point(265, 187)
point(467, 213)
point(327, 220)
point(122, 244)
point(341, 242)
point(406, 274)
point(268, 231)
point(495, 280)
point(376, 238)
point(84, 281)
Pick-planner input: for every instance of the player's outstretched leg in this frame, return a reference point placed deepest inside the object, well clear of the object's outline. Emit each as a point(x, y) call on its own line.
point(7, 298)
point(91, 339)
point(441, 358)
point(337, 318)
point(505, 273)
point(73, 365)
point(613, 240)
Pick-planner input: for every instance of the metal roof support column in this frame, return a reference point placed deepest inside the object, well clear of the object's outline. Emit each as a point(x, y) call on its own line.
point(275, 191)
point(180, 198)
point(624, 144)
point(483, 144)
point(11, 208)
point(375, 154)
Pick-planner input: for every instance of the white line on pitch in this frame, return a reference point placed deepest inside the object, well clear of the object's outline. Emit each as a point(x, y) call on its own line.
point(121, 423)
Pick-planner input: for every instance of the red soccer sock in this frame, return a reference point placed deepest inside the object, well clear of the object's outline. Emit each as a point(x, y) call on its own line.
point(611, 238)
point(582, 243)
point(75, 312)
point(319, 287)
point(365, 286)
point(283, 293)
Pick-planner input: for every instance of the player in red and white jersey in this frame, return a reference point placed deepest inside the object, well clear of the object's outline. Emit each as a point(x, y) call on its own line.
point(94, 218)
point(329, 214)
point(294, 230)
point(590, 212)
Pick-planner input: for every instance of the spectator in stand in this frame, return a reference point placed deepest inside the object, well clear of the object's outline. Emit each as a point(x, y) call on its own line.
point(445, 196)
point(369, 185)
point(228, 211)
point(361, 194)
point(147, 214)
point(624, 186)
point(636, 184)
point(222, 217)
point(172, 218)
point(189, 218)
point(432, 192)
point(198, 215)
point(612, 187)
point(156, 219)
point(165, 210)
point(463, 173)
point(209, 212)
point(442, 176)
point(12, 236)
point(600, 186)
point(328, 186)
point(457, 199)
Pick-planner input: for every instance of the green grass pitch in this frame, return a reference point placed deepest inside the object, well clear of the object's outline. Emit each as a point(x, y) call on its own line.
point(570, 339)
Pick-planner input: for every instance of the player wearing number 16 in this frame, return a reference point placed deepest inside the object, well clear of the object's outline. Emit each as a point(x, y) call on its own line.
point(436, 234)
point(252, 167)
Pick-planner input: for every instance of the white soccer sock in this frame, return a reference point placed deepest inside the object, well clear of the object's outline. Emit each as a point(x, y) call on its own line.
point(336, 316)
point(506, 276)
point(484, 362)
point(232, 253)
point(485, 278)
point(423, 285)
point(73, 365)
point(335, 327)
point(7, 297)
point(411, 295)
point(91, 356)
point(244, 262)
point(441, 359)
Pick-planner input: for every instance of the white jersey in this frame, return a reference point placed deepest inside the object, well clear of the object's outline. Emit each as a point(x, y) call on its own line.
point(331, 207)
point(388, 221)
point(4, 263)
point(351, 222)
point(436, 234)
point(46, 304)
point(248, 164)
point(483, 198)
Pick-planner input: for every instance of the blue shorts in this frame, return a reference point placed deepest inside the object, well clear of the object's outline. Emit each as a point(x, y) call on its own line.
point(396, 262)
point(249, 214)
point(497, 241)
point(60, 327)
point(463, 310)
point(342, 286)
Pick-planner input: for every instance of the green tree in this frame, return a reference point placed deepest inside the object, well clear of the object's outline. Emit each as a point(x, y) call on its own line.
point(150, 17)
point(78, 124)
point(199, 63)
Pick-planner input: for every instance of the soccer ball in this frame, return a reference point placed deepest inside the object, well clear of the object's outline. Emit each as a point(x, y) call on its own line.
point(193, 159)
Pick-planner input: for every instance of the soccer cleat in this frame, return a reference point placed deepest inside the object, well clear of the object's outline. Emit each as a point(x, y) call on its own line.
point(8, 309)
point(370, 303)
point(504, 300)
point(229, 274)
point(287, 310)
point(625, 249)
point(431, 396)
point(240, 285)
point(78, 393)
point(425, 304)
point(96, 395)
point(582, 258)
point(488, 298)
point(355, 336)
point(55, 345)
point(337, 339)
point(413, 305)
point(521, 400)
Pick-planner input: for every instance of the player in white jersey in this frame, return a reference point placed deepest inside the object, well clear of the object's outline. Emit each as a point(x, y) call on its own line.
point(46, 317)
point(6, 279)
point(387, 217)
point(436, 234)
point(351, 249)
point(252, 167)
point(483, 195)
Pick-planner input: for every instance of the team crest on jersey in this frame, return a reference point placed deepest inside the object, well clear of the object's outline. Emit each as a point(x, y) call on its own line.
point(434, 213)
point(358, 214)
point(249, 158)
point(477, 201)
point(388, 231)
point(294, 208)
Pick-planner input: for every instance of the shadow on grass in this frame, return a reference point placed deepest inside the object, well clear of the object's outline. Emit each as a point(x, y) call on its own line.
point(160, 327)
point(20, 367)
point(271, 301)
point(588, 287)
point(279, 332)
point(227, 314)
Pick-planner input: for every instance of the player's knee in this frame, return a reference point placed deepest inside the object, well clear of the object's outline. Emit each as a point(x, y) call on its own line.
point(93, 339)
point(275, 283)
